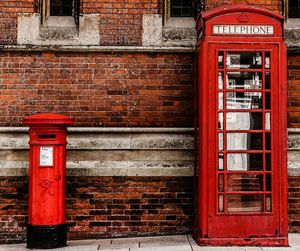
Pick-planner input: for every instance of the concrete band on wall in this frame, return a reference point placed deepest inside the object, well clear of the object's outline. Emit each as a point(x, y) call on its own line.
point(121, 151)
point(108, 152)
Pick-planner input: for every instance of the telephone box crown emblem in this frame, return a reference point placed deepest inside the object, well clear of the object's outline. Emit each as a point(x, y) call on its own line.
point(243, 18)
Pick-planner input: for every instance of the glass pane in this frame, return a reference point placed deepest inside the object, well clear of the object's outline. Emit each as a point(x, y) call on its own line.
point(244, 80)
point(244, 121)
point(244, 60)
point(186, 12)
point(245, 203)
point(221, 203)
point(268, 182)
point(244, 100)
point(220, 59)
point(268, 203)
point(55, 11)
point(267, 81)
point(267, 60)
point(268, 161)
point(66, 11)
point(67, 2)
point(221, 160)
point(220, 100)
point(221, 183)
point(268, 100)
point(268, 121)
point(56, 2)
point(175, 12)
point(220, 80)
point(220, 141)
point(268, 141)
point(220, 121)
point(244, 141)
point(245, 182)
point(181, 8)
point(244, 162)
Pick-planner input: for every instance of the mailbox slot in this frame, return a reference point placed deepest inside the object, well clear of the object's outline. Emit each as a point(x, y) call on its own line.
point(46, 136)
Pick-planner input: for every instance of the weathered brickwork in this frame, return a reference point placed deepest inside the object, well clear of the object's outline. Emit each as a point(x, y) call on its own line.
point(106, 206)
point(294, 204)
point(99, 207)
point(9, 11)
point(294, 91)
point(274, 5)
point(13, 209)
point(8, 27)
point(98, 89)
point(122, 206)
point(121, 21)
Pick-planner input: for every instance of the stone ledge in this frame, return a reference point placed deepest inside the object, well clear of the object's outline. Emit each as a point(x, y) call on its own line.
point(109, 168)
point(109, 129)
point(108, 138)
point(130, 49)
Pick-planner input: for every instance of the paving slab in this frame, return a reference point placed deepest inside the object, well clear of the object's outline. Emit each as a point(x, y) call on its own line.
point(215, 248)
point(294, 240)
point(13, 247)
point(80, 245)
point(121, 244)
point(154, 243)
point(169, 248)
point(84, 245)
point(196, 247)
point(163, 241)
point(280, 249)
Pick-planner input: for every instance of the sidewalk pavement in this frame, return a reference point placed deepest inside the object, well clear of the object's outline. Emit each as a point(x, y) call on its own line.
point(157, 243)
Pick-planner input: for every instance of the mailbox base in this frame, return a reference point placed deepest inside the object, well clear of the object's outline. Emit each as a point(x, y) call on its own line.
point(46, 237)
point(264, 241)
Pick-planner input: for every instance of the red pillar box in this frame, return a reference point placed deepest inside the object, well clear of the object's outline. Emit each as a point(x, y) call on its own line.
point(241, 172)
point(47, 180)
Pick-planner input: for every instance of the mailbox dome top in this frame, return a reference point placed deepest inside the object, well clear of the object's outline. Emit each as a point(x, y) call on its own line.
point(48, 119)
point(239, 8)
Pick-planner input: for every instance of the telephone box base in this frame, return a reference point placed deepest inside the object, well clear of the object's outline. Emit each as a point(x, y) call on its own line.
point(46, 237)
point(263, 241)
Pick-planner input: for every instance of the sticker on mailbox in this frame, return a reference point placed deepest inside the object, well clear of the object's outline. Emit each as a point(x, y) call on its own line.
point(46, 156)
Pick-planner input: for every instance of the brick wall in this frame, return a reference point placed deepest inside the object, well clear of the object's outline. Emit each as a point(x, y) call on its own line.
point(13, 209)
point(294, 204)
point(9, 11)
point(99, 207)
point(110, 89)
point(121, 21)
point(294, 91)
point(274, 5)
point(122, 206)
point(98, 89)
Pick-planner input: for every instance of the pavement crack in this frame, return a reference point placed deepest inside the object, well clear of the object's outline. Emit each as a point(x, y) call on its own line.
point(188, 239)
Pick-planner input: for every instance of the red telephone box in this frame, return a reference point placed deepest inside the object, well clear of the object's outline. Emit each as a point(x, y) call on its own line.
point(241, 171)
point(47, 180)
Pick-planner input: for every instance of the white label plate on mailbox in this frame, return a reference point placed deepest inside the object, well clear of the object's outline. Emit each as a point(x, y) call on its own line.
point(46, 156)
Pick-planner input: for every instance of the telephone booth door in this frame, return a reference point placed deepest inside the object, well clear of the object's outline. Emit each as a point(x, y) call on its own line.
point(241, 178)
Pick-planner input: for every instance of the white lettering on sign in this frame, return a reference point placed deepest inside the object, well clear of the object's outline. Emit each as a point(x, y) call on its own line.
point(46, 156)
point(244, 29)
